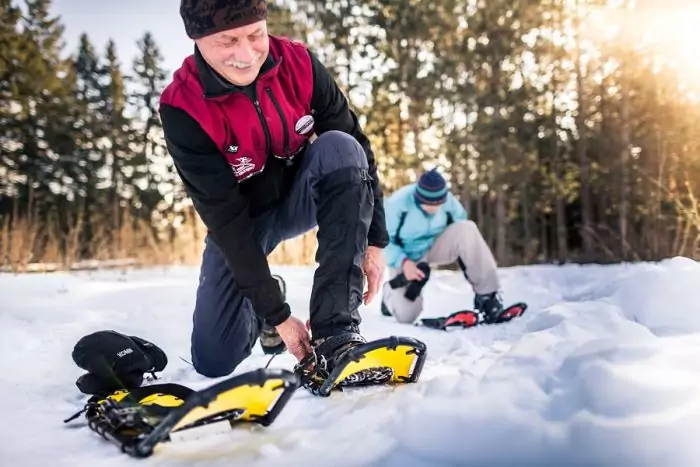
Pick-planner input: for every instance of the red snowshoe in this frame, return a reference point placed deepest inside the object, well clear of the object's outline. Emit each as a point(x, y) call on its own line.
point(470, 318)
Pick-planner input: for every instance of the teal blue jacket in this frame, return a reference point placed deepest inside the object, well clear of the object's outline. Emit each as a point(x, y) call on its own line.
point(418, 229)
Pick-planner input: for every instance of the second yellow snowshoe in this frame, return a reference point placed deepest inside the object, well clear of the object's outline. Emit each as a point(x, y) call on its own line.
point(348, 360)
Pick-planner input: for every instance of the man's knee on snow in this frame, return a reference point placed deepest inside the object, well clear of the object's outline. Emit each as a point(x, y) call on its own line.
point(215, 361)
point(335, 150)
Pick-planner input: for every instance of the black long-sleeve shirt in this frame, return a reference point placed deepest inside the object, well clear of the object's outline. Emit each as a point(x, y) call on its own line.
point(226, 206)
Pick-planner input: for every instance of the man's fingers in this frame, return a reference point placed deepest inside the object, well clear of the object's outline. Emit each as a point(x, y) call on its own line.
point(299, 352)
point(372, 285)
point(304, 341)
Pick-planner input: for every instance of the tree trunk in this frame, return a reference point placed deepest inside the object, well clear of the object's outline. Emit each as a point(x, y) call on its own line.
point(501, 218)
point(625, 145)
point(582, 150)
point(527, 227)
point(544, 238)
point(480, 209)
point(559, 207)
point(562, 244)
point(625, 142)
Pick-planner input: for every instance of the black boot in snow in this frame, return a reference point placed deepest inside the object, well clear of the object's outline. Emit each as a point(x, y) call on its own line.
point(344, 213)
point(270, 340)
point(329, 353)
point(330, 350)
point(489, 306)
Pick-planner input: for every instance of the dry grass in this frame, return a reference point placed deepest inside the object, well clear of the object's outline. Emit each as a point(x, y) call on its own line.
point(31, 244)
point(18, 241)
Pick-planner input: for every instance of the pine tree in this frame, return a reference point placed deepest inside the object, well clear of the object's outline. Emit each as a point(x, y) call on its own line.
point(13, 47)
point(117, 142)
point(40, 96)
point(92, 174)
point(158, 190)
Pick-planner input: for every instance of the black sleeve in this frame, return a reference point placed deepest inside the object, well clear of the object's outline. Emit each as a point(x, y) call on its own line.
point(333, 113)
point(214, 191)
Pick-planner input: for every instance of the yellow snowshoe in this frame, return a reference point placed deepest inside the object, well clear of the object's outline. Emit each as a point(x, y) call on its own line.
point(138, 420)
point(348, 360)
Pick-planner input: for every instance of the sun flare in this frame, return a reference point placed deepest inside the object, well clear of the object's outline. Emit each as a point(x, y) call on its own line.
point(675, 35)
point(668, 32)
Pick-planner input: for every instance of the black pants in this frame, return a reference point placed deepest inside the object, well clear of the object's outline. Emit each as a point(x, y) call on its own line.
point(332, 191)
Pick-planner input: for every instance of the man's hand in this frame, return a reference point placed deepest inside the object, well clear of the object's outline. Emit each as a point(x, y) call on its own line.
point(411, 271)
point(373, 267)
point(295, 337)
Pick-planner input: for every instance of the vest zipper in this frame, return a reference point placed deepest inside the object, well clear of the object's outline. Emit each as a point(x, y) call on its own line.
point(266, 130)
point(284, 123)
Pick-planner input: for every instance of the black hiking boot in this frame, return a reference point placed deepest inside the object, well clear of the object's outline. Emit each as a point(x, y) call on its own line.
point(490, 306)
point(270, 340)
point(328, 353)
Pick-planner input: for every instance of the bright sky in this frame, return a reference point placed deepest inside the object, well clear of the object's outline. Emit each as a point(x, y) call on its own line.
point(125, 21)
point(671, 24)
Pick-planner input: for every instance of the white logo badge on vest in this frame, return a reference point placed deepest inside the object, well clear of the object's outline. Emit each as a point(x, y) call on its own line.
point(242, 166)
point(304, 124)
point(232, 148)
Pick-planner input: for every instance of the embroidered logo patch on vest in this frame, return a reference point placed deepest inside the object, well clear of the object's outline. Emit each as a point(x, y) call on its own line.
point(242, 166)
point(304, 124)
point(232, 148)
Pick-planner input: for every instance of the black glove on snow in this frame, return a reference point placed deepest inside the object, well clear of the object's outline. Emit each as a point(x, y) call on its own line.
point(115, 361)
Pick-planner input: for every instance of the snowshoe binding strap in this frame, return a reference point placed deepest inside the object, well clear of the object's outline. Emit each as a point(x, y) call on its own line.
point(315, 369)
point(312, 372)
point(334, 347)
point(89, 405)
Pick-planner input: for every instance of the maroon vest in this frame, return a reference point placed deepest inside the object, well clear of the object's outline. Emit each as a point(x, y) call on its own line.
point(278, 123)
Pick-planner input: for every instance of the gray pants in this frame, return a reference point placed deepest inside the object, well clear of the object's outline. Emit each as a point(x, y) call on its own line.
point(461, 240)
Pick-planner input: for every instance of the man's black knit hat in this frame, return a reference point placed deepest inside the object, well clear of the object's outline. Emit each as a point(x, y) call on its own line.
point(205, 17)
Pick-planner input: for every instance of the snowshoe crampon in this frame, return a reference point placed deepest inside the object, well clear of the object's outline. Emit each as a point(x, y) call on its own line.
point(139, 419)
point(469, 318)
point(390, 360)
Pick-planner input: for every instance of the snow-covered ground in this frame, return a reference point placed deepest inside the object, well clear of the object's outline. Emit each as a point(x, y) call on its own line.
point(603, 370)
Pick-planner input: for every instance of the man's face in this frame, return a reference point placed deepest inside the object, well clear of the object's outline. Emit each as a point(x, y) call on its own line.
point(431, 208)
point(237, 54)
